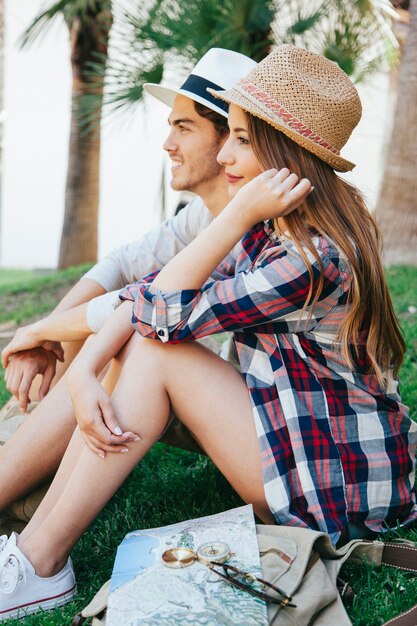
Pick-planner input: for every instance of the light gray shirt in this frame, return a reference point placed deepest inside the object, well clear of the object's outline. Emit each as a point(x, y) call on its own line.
point(135, 260)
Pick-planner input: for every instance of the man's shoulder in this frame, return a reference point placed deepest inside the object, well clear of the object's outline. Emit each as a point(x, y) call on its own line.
point(196, 207)
point(195, 215)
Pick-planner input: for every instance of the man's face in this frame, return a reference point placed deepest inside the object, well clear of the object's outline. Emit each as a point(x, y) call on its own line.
point(192, 145)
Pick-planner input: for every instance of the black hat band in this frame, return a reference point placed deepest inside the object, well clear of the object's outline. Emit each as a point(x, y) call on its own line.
point(198, 86)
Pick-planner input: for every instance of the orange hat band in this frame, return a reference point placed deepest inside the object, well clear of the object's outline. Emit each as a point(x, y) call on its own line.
point(290, 120)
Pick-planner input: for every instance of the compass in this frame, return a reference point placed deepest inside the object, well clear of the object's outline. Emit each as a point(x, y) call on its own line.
point(213, 551)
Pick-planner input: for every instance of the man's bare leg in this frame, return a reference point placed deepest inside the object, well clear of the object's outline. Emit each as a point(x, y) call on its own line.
point(34, 452)
point(36, 449)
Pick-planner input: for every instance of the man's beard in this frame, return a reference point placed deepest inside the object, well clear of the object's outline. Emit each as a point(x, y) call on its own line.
point(201, 172)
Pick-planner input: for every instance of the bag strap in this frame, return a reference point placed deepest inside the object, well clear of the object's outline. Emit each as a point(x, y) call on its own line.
point(401, 556)
point(409, 618)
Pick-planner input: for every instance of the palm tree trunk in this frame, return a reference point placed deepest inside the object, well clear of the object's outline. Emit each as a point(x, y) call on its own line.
point(79, 240)
point(397, 206)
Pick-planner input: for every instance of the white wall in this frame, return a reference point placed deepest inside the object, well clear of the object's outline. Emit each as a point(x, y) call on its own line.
point(37, 103)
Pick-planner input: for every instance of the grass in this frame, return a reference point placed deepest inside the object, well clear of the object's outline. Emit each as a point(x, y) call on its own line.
point(28, 294)
point(171, 485)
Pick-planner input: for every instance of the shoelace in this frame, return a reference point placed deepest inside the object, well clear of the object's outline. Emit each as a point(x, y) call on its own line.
point(3, 541)
point(11, 572)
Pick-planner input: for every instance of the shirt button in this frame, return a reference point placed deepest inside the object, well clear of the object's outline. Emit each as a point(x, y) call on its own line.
point(161, 333)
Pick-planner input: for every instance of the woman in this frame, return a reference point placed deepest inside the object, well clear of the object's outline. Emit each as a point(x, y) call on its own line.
point(312, 431)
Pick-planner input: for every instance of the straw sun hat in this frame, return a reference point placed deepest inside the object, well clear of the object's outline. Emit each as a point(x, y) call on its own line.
point(305, 96)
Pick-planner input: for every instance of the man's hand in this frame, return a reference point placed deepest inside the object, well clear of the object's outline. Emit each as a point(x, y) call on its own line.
point(27, 338)
point(22, 369)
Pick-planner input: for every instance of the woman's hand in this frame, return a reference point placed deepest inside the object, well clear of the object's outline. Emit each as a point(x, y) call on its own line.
point(95, 415)
point(27, 338)
point(272, 194)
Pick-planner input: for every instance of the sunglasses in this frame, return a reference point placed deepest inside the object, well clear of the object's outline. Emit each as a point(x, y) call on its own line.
point(248, 582)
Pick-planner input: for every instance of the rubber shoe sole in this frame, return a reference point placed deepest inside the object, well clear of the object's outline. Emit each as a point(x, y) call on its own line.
point(46, 604)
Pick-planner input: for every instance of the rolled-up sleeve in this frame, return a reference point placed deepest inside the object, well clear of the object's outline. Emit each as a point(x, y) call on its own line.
point(275, 289)
point(99, 309)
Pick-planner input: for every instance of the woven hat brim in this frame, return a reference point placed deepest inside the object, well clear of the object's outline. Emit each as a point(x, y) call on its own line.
point(233, 96)
point(167, 96)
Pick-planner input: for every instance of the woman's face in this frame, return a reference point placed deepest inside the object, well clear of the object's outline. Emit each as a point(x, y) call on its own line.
point(237, 157)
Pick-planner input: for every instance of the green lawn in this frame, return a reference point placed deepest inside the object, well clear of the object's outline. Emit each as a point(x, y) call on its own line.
point(172, 485)
point(27, 294)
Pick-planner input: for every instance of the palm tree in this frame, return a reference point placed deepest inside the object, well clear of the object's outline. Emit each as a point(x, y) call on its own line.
point(171, 35)
point(397, 206)
point(89, 23)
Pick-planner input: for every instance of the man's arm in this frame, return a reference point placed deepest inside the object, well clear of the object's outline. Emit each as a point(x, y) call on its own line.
point(122, 266)
point(24, 363)
point(86, 289)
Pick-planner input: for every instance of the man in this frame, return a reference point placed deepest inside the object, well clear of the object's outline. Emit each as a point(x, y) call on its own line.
point(198, 130)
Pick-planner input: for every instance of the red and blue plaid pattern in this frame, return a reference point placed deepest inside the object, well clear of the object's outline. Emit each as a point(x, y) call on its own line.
point(335, 447)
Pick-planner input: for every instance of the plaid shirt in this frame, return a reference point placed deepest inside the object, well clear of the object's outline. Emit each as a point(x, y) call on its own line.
point(335, 447)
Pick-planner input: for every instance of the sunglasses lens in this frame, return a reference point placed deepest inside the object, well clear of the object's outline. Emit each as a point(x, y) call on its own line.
point(249, 583)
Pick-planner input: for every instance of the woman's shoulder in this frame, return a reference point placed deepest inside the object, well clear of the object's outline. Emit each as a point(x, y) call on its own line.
point(324, 246)
point(281, 256)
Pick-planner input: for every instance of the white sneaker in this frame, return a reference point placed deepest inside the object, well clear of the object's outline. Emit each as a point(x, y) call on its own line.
point(6, 544)
point(3, 543)
point(22, 592)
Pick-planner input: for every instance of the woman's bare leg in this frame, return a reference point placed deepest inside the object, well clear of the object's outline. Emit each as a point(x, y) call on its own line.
point(73, 451)
point(208, 395)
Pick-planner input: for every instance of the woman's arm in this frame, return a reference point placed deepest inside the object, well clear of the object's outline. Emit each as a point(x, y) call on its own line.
point(176, 306)
point(270, 195)
point(96, 418)
point(107, 343)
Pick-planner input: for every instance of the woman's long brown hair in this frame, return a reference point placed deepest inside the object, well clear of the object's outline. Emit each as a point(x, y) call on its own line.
point(336, 209)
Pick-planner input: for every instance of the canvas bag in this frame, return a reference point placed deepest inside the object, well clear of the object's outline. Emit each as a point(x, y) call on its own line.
point(305, 565)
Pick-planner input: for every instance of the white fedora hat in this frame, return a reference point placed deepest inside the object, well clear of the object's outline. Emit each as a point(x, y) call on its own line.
point(218, 69)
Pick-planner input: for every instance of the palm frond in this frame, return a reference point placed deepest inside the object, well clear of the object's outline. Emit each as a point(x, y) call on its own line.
point(67, 10)
point(356, 34)
point(168, 37)
point(163, 38)
point(305, 22)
